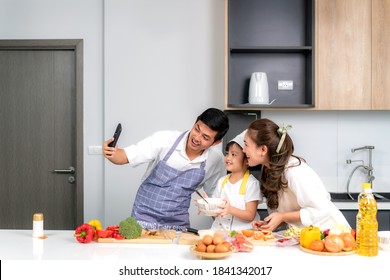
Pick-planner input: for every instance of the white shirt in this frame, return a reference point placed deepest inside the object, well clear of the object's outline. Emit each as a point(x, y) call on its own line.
point(307, 193)
point(153, 149)
point(232, 192)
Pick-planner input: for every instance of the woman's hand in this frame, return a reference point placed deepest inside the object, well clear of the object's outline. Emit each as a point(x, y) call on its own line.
point(272, 221)
point(256, 225)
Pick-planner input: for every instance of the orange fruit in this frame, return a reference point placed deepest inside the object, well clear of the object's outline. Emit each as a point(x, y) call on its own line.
point(248, 232)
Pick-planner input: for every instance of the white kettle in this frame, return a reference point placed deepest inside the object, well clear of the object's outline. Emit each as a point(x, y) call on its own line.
point(258, 88)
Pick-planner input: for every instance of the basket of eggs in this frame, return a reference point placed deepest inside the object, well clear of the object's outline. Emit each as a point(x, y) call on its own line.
point(212, 247)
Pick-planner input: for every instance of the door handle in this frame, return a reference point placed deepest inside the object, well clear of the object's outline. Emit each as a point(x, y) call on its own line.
point(71, 170)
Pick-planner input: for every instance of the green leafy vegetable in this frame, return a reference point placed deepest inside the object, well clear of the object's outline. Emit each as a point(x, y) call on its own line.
point(130, 228)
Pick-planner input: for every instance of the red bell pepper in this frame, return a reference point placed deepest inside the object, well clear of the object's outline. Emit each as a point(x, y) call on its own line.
point(104, 233)
point(84, 233)
point(115, 232)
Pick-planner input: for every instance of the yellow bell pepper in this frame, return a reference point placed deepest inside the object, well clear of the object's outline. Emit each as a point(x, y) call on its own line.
point(308, 235)
point(96, 224)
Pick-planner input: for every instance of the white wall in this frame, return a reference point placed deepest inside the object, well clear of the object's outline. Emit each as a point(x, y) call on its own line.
point(163, 67)
point(152, 65)
point(70, 19)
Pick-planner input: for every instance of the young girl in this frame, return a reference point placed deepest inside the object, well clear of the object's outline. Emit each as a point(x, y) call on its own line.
point(239, 189)
point(294, 192)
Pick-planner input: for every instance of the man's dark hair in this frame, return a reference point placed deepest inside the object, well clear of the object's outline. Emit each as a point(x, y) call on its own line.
point(216, 120)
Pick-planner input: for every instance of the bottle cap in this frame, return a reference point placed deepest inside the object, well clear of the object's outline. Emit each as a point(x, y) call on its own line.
point(38, 217)
point(366, 186)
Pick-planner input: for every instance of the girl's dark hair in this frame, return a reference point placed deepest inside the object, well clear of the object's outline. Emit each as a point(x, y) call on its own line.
point(265, 132)
point(216, 120)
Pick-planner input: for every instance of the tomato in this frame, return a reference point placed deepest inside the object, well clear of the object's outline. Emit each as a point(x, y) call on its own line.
point(317, 245)
point(248, 232)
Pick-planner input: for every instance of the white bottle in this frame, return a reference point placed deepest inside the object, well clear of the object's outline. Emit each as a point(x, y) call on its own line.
point(37, 225)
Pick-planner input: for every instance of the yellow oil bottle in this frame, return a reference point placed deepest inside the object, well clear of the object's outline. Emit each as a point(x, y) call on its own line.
point(367, 223)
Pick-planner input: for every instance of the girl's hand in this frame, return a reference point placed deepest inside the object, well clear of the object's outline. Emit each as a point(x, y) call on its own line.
point(197, 205)
point(225, 209)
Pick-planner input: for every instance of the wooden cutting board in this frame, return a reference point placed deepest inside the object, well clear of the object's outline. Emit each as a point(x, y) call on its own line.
point(161, 237)
point(191, 239)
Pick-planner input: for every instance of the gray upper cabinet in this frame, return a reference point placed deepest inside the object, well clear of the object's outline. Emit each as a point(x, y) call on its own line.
point(275, 37)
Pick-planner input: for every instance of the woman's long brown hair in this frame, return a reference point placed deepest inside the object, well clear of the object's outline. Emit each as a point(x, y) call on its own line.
point(265, 132)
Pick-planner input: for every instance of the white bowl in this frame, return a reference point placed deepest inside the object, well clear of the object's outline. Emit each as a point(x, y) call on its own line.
point(384, 240)
point(212, 207)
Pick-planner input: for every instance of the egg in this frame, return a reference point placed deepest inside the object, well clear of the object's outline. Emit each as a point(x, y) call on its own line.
point(210, 248)
point(220, 248)
point(201, 248)
point(207, 240)
point(218, 240)
point(227, 244)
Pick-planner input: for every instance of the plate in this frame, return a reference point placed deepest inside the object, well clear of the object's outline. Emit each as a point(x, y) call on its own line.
point(343, 253)
point(210, 256)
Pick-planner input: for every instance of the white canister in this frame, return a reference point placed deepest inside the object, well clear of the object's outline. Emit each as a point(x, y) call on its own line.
point(37, 225)
point(258, 88)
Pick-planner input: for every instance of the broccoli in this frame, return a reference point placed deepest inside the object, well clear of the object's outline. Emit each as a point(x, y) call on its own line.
point(130, 228)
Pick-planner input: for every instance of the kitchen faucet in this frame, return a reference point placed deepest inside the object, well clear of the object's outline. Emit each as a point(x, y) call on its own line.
point(369, 168)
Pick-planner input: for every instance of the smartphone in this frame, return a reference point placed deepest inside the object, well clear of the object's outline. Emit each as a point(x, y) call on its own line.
point(118, 131)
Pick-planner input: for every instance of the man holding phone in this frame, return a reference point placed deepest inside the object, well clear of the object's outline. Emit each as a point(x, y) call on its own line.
point(179, 164)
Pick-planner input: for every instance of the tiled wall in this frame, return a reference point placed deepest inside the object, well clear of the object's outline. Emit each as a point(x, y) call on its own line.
point(325, 140)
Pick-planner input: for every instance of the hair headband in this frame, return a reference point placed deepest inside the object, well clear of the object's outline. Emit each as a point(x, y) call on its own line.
point(282, 131)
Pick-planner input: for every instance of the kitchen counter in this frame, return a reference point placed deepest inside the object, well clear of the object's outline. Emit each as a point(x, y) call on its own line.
point(61, 245)
point(345, 205)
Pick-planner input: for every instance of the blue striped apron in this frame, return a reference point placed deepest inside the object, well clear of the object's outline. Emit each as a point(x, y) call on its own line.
point(164, 197)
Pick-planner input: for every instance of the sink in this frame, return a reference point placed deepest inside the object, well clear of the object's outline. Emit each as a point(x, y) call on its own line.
point(343, 197)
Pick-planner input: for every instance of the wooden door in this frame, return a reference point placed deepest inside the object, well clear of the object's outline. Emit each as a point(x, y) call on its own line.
point(41, 131)
point(343, 54)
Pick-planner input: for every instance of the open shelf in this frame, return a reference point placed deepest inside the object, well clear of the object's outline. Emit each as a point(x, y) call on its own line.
point(275, 37)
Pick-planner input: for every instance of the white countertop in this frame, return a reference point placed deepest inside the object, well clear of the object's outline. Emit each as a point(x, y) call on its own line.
point(346, 205)
point(286, 261)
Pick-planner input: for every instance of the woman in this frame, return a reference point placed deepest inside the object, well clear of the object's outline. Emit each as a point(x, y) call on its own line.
point(294, 192)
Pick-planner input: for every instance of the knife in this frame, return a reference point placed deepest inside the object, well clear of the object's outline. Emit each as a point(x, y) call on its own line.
point(191, 230)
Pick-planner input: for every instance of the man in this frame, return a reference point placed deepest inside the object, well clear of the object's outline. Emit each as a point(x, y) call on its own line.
point(179, 163)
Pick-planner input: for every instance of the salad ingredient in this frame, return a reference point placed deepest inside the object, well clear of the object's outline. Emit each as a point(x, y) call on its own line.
point(308, 235)
point(248, 232)
point(130, 228)
point(84, 233)
point(317, 245)
point(334, 243)
point(241, 243)
point(339, 229)
point(292, 232)
point(349, 241)
point(96, 224)
point(104, 233)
